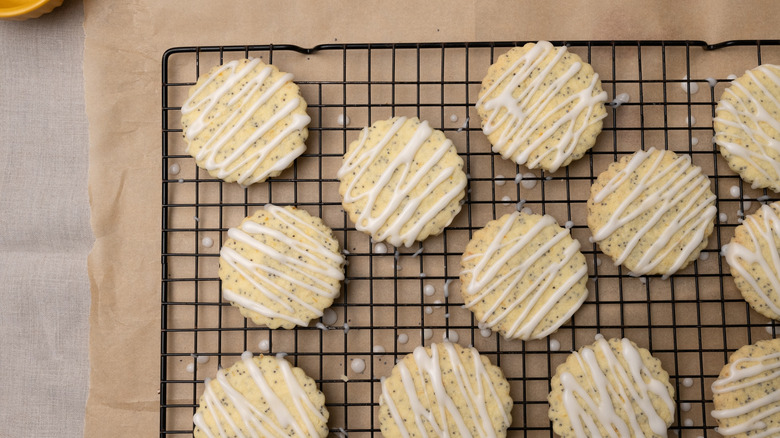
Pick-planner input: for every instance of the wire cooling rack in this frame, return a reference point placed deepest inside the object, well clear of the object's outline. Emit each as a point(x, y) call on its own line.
point(692, 321)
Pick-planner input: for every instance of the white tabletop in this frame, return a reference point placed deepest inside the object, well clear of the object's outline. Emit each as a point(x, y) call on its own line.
point(45, 234)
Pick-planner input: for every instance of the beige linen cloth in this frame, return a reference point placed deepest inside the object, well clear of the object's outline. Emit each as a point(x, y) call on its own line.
point(44, 226)
point(124, 45)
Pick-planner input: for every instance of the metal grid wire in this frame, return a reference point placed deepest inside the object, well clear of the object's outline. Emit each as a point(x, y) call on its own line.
point(692, 321)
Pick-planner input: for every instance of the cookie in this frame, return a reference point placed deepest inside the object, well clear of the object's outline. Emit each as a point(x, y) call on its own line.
point(444, 390)
point(523, 276)
point(401, 181)
point(747, 126)
point(261, 396)
point(281, 267)
point(611, 388)
point(746, 395)
point(754, 258)
point(245, 121)
point(541, 106)
point(652, 212)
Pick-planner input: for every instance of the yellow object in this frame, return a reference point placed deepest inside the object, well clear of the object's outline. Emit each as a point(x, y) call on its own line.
point(25, 9)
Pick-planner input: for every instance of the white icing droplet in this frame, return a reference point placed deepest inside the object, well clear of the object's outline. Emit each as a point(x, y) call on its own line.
point(428, 310)
point(518, 178)
point(746, 205)
point(723, 217)
point(740, 213)
point(453, 117)
point(770, 329)
point(568, 225)
point(208, 242)
point(403, 338)
point(693, 88)
point(174, 169)
point(527, 210)
point(690, 120)
point(685, 407)
point(712, 81)
point(264, 345)
point(598, 261)
point(528, 181)
point(731, 77)
point(427, 334)
point(762, 198)
point(687, 382)
point(446, 315)
point(485, 332)
point(451, 336)
point(342, 120)
point(694, 141)
point(688, 422)
point(704, 256)
point(321, 326)
point(191, 367)
point(202, 359)
point(197, 219)
point(378, 349)
point(500, 181)
point(506, 200)
point(555, 345)
point(643, 280)
point(724, 250)
point(734, 191)
point(380, 248)
point(620, 99)
point(358, 365)
point(464, 125)
point(437, 304)
point(429, 290)
point(418, 252)
point(181, 180)
point(346, 328)
point(423, 275)
point(329, 316)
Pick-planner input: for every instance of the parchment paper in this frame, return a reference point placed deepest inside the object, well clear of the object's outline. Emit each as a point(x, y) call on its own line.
point(123, 49)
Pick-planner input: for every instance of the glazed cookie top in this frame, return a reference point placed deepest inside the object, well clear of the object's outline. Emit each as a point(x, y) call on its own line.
point(652, 212)
point(245, 121)
point(445, 390)
point(747, 392)
point(611, 388)
point(541, 106)
point(523, 276)
point(747, 126)
point(754, 258)
point(281, 267)
point(261, 396)
point(401, 181)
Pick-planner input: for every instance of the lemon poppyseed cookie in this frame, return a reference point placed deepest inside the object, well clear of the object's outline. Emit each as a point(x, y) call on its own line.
point(261, 396)
point(523, 276)
point(444, 390)
point(611, 388)
point(401, 181)
point(746, 395)
point(652, 212)
point(281, 267)
point(541, 106)
point(245, 121)
point(747, 126)
point(754, 258)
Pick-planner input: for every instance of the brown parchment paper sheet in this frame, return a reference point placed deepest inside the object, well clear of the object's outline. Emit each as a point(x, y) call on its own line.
point(124, 45)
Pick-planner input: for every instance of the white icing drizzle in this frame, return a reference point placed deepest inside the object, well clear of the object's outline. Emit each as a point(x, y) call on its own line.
point(758, 117)
point(309, 258)
point(524, 114)
point(271, 423)
point(660, 191)
point(476, 391)
point(635, 384)
point(757, 372)
point(242, 111)
point(485, 279)
point(407, 221)
point(763, 234)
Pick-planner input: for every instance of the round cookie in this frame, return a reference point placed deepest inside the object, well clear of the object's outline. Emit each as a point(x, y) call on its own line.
point(754, 257)
point(444, 390)
point(746, 395)
point(747, 126)
point(541, 106)
point(611, 388)
point(245, 121)
point(261, 396)
point(652, 212)
point(281, 267)
point(523, 276)
point(401, 181)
